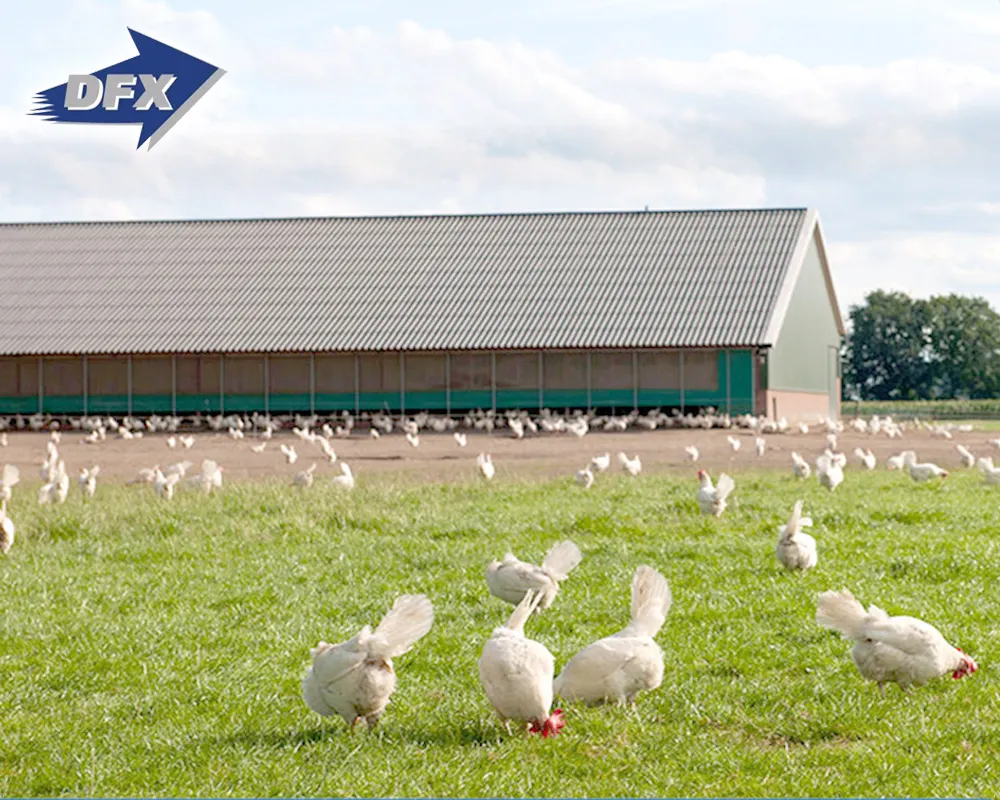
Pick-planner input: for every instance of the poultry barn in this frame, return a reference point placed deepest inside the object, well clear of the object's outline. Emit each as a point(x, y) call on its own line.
point(733, 309)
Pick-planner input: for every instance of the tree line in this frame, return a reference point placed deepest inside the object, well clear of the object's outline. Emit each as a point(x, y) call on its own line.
point(900, 348)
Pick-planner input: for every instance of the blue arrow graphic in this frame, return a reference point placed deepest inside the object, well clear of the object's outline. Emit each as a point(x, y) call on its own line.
point(168, 100)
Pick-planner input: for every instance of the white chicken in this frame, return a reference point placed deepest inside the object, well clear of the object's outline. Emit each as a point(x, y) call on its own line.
point(87, 480)
point(761, 445)
point(289, 452)
point(968, 460)
point(356, 678)
point(796, 549)
point(894, 463)
point(618, 667)
point(601, 463)
point(585, 477)
point(633, 466)
point(830, 469)
point(866, 457)
point(413, 439)
point(734, 443)
point(712, 499)
point(259, 448)
point(922, 472)
point(6, 529)
point(187, 442)
point(163, 484)
point(484, 461)
point(692, 453)
point(990, 472)
point(209, 478)
point(516, 673)
point(304, 478)
point(901, 650)
point(800, 467)
point(511, 578)
point(9, 478)
point(461, 439)
point(345, 480)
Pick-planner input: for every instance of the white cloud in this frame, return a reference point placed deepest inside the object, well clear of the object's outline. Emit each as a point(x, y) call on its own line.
point(409, 118)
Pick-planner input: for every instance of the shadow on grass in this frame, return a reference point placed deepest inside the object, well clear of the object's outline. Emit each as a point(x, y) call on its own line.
point(462, 734)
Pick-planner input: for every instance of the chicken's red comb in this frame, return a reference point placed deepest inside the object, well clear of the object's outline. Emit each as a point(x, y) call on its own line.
point(551, 726)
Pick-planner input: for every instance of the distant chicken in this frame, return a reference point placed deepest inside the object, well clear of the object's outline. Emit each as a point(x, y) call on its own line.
point(413, 439)
point(345, 480)
point(866, 457)
point(831, 441)
point(6, 529)
point(990, 472)
point(761, 445)
point(901, 650)
point(800, 467)
point(304, 478)
point(374, 433)
point(461, 439)
point(511, 578)
point(87, 480)
point(585, 477)
point(712, 499)
point(601, 463)
point(633, 466)
point(830, 469)
point(187, 442)
point(209, 478)
point(692, 453)
point(968, 460)
point(796, 550)
point(734, 443)
point(485, 463)
point(289, 452)
point(164, 484)
point(9, 478)
point(618, 667)
point(894, 463)
point(516, 673)
point(356, 678)
point(922, 472)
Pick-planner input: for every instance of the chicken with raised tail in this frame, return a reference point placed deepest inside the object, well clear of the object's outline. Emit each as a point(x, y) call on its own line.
point(800, 467)
point(712, 499)
point(901, 650)
point(512, 578)
point(618, 667)
point(796, 549)
point(516, 673)
point(633, 466)
point(968, 459)
point(484, 461)
point(356, 678)
point(830, 469)
point(866, 457)
point(990, 472)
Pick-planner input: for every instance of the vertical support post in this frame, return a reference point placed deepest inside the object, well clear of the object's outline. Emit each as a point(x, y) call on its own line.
point(312, 383)
point(85, 386)
point(357, 385)
point(41, 384)
point(541, 381)
point(682, 379)
point(222, 383)
point(635, 380)
point(173, 384)
point(728, 386)
point(402, 383)
point(128, 371)
point(447, 383)
point(493, 380)
point(267, 385)
point(589, 379)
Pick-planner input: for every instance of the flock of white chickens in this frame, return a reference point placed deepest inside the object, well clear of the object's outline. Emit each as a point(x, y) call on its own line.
point(356, 678)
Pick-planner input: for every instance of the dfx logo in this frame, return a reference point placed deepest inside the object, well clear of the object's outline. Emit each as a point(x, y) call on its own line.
point(153, 89)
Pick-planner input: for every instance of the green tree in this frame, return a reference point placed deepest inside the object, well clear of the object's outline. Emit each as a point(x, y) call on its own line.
point(965, 347)
point(888, 351)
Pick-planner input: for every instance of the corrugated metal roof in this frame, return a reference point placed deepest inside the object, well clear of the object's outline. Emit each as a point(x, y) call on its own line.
point(545, 280)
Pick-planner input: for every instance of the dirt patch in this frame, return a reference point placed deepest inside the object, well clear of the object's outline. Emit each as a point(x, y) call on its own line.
point(439, 458)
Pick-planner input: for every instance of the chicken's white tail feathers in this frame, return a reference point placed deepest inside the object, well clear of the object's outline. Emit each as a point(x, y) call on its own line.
point(840, 611)
point(11, 475)
point(724, 487)
point(523, 610)
point(562, 559)
point(651, 601)
point(408, 621)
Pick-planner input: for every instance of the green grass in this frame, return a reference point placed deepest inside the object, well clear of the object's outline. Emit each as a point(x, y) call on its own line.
point(157, 650)
point(975, 411)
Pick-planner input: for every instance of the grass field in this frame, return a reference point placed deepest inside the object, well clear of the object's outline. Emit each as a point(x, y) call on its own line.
point(157, 649)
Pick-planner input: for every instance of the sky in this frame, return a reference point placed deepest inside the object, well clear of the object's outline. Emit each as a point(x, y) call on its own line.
point(883, 115)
